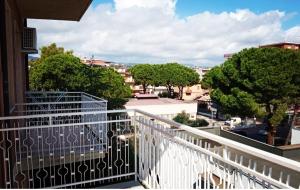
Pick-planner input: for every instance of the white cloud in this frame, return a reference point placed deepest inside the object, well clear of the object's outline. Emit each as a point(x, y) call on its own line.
point(293, 34)
point(168, 6)
point(150, 31)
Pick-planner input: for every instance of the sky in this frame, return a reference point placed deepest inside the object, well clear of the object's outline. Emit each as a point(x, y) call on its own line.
point(196, 32)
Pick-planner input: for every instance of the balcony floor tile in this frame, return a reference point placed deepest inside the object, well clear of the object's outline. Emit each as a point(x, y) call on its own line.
point(124, 185)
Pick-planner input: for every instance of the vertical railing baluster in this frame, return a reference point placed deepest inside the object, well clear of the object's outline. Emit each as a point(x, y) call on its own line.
point(264, 173)
point(43, 155)
point(270, 176)
point(110, 157)
point(81, 144)
point(136, 135)
point(141, 151)
point(240, 176)
point(149, 153)
point(249, 175)
point(7, 159)
point(288, 178)
point(254, 177)
point(280, 176)
point(15, 156)
point(3, 149)
point(159, 153)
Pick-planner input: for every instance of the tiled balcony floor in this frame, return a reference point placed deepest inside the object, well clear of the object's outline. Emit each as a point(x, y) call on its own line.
point(124, 185)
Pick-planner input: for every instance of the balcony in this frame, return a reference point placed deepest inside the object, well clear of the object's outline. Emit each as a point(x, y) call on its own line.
point(71, 140)
point(58, 102)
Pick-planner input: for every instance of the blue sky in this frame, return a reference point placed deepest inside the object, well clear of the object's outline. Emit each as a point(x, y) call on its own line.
point(197, 32)
point(186, 8)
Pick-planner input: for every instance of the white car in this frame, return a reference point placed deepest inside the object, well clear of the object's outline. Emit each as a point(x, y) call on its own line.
point(233, 121)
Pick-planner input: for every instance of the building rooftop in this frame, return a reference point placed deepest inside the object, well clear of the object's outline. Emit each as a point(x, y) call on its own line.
point(280, 44)
point(159, 101)
point(97, 62)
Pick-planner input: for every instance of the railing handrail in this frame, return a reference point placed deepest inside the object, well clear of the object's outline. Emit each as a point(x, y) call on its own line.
point(52, 92)
point(64, 125)
point(278, 160)
point(95, 97)
point(64, 114)
point(65, 92)
point(51, 103)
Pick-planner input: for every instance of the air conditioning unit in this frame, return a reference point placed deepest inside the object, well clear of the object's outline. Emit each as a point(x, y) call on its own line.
point(29, 40)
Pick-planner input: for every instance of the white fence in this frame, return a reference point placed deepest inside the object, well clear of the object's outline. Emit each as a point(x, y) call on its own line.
point(70, 149)
point(59, 102)
point(92, 148)
point(191, 158)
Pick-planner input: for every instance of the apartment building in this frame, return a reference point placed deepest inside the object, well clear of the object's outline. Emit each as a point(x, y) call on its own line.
point(283, 45)
point(96, 62)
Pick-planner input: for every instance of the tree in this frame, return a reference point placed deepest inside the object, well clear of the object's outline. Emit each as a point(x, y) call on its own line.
point(47, 51)
point(169, 75)
point(52, 49)
point(166, 74)
point(66, 72)
point(59, 72)
point(184, 77)
point(174, 74)
point(257, 81)
point(113, 88)
point(143, 74)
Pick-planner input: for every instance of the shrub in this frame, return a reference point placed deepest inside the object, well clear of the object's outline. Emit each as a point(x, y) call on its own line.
point(163, 95)
point(199, 123)
point(183, 118)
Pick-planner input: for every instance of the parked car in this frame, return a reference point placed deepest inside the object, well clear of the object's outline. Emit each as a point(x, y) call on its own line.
point(233, 121)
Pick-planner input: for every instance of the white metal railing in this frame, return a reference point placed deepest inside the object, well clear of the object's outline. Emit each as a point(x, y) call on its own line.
point(80, 149)
point(58, 96)
point(85, 149)
point(191, 158)
point(59, 102)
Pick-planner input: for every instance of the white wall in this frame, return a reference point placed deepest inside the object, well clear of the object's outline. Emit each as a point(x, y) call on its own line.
point(295, 139)
point(168, 109)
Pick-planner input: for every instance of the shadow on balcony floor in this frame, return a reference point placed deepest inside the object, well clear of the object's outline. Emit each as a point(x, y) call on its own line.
point(124, 185)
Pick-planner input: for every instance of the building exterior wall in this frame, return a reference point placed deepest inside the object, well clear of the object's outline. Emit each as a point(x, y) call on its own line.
point(15, 59)
point(295, 138)
point(284, 45)
point(193, 92)
point(157, 89)
point(291, 46)
point(1, 83)
point(202, 72)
